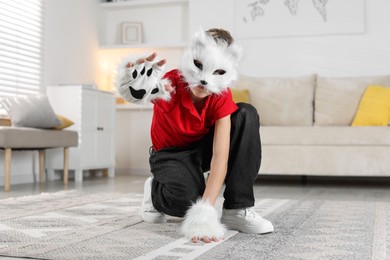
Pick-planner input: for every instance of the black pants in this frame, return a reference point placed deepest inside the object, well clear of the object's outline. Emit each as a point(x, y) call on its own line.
point(178, 172)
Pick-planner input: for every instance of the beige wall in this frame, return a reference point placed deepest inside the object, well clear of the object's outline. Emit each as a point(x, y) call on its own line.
point(367, 53)
point(71, 42)
point(133, 141)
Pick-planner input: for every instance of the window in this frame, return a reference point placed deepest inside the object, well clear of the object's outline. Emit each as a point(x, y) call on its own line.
point(21, 39)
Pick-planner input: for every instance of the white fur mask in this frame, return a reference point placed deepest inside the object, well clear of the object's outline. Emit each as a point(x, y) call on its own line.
point(210, 63)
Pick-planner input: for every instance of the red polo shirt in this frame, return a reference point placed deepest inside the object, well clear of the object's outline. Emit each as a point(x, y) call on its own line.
point(177, 123)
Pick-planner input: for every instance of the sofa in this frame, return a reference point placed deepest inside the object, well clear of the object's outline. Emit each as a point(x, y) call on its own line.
point(306, 125)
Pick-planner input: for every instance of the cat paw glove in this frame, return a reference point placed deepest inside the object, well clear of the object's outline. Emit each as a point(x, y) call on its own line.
point(141, 83)
point(202, 220)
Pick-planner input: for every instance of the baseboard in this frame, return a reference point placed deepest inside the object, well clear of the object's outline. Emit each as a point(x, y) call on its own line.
point(21, 179)
point(133, 171)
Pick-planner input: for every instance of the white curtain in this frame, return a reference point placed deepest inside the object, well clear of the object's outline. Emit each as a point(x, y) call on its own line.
point(21, 39)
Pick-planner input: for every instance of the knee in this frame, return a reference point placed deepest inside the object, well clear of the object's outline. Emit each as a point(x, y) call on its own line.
point(247, 112)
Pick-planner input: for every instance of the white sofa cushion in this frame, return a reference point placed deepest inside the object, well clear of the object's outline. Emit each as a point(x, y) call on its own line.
point(337, 99)
point(326, 160)
point(281, 101)
point(326, 136)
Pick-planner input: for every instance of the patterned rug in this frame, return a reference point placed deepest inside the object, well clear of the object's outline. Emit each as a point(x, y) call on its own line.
point(72, 225)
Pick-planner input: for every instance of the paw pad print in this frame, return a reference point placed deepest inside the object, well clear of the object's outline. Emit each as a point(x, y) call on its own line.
point(142, 83)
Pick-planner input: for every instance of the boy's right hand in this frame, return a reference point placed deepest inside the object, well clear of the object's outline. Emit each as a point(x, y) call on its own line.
point(140, 80)
point(151, 58)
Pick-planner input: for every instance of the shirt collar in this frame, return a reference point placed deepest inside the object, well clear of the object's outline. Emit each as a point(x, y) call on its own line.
point(187, 102)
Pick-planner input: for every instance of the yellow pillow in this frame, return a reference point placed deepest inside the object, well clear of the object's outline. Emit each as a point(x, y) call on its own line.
point(65, 122)
point(5, 121)
point(240, 95)
point(374, 107)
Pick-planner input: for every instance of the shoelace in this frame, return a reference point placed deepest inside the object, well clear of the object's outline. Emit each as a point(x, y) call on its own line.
point(250, 212)
point(150, 209)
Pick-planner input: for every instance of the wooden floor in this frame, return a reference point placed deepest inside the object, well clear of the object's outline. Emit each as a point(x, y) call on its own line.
point(366, 189)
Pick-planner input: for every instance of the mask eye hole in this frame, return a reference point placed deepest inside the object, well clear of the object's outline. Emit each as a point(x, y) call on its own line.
point(198, 64)
point(219, 72)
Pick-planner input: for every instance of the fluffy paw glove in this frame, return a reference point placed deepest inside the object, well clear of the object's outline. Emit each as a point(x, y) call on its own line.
point(141, 83)
point(202, 220)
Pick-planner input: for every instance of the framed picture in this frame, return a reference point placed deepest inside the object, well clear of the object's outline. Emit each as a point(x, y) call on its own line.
point(131, 32)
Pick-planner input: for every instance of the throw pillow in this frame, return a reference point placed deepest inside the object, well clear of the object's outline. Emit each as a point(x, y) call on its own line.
point(281, 101)
point(5, 121)
point(337, 99)
point(240, 95)
point(65, 122)
point(31, 111)
point(374, 107)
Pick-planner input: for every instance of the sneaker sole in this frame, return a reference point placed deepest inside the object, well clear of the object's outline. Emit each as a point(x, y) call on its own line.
point(153, 217)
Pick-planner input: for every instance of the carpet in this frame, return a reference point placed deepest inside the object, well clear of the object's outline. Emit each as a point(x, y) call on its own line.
point(74, 225)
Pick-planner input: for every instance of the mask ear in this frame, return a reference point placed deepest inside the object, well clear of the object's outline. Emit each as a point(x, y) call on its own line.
point(198, 40)
point(235, 51)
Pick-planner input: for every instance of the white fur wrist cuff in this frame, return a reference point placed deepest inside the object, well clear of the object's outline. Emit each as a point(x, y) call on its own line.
point(202, 220)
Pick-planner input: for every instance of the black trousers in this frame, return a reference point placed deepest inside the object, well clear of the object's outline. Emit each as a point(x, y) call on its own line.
point(178, 172)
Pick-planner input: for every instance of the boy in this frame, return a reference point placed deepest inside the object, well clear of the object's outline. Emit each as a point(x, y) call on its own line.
point(196, 128)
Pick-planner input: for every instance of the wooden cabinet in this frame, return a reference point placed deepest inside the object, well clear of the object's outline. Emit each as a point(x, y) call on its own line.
point(93, 114)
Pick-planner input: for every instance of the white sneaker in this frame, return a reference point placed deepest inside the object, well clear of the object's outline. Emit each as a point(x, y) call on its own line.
point(246, 221)
point(148, 213)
